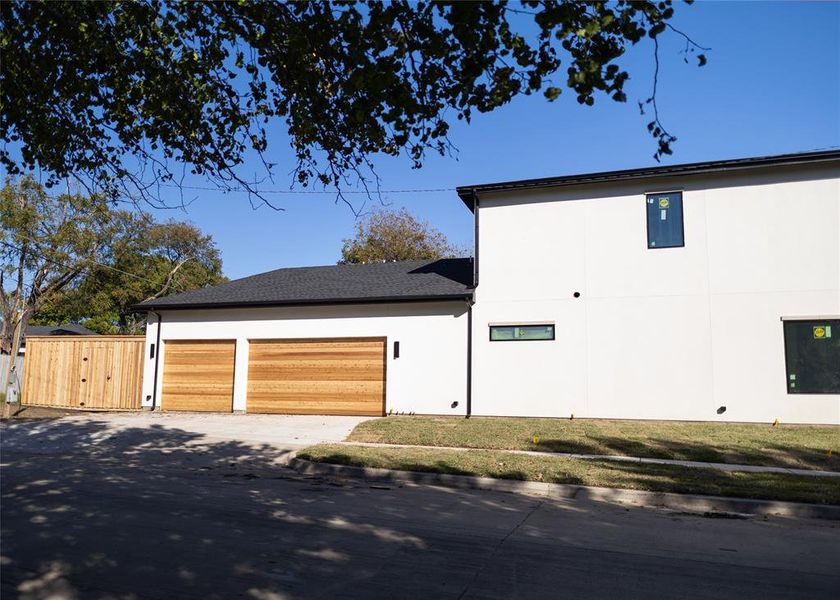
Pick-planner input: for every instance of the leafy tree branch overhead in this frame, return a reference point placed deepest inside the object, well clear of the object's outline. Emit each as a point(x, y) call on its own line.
point(128, 96)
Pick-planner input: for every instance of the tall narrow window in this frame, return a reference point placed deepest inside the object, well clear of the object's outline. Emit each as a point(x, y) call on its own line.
point(665, 220)
point(812, 356)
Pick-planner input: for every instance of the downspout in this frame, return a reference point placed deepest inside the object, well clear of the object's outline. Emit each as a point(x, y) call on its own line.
point(157, 358)
point(470, 303)
point(475, 241)
point(469, 357)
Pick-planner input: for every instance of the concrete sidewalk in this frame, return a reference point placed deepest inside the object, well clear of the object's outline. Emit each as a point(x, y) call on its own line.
point(631, 459)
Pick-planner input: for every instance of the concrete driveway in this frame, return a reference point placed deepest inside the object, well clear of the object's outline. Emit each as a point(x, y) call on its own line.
point(160, 506)
point(269, 432)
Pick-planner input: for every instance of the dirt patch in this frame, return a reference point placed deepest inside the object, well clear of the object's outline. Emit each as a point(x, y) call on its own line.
point(17, 411)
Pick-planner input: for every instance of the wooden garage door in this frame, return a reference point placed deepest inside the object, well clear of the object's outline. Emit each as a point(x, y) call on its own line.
point(321, 377)
point(198, 375)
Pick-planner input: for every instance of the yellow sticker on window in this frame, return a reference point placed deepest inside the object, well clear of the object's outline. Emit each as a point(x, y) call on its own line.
point(664, 203)
point(819, 333)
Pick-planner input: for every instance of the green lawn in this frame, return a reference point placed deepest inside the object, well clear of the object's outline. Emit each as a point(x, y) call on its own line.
point(660, 478)
point(804, 447)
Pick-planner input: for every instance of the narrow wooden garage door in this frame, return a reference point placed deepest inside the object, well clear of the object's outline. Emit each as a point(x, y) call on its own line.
point(321, 377)
point(198, 375)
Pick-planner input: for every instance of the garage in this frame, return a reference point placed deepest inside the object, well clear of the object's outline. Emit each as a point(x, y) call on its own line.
point(334, 376)
point(198, 375)
point(350, 340)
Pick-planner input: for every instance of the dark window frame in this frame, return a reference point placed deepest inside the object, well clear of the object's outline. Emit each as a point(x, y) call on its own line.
point(682, 219)
point(551, 339)
point(809, 322)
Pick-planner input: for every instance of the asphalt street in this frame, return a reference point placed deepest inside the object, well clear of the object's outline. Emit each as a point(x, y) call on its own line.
point(90, 510)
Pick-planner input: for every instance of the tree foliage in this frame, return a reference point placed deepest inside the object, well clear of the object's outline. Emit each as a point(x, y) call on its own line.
point(126, 96)
point(46, 243)
point(386, 236)
point(169, 257)
point(72, 257)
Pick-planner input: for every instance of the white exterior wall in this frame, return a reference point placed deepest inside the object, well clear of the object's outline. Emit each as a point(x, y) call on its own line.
point(429, 377)
point(668, 333)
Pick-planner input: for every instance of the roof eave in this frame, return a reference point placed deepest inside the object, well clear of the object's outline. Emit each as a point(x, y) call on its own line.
point(466, 193)
point(320, 302)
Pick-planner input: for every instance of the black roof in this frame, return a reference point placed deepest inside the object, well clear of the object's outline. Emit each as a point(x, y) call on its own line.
point(66, 329)
point(404, 281)
point(717, 166)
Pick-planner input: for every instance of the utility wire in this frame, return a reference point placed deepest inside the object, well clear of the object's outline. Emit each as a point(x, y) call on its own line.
point(97, 263)
point(295, 192)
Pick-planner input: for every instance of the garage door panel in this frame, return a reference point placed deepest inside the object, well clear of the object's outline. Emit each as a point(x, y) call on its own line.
point(337, 388)
point(318, 355)
point(303, 405)
point(198, 375)
point(331, 372)
point(317, 376)
point(294, 409)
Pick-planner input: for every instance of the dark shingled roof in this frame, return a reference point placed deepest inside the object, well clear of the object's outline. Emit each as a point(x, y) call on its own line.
point(66, 329)
point(339, 284)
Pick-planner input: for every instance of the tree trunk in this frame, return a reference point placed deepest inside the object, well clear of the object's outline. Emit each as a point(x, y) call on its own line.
point(18, 330)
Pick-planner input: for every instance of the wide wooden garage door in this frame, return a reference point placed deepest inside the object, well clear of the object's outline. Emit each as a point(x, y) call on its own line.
point(321, 377)
point(198, 375)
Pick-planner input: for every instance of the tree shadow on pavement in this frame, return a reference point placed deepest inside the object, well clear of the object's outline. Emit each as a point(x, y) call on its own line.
point(89, 510)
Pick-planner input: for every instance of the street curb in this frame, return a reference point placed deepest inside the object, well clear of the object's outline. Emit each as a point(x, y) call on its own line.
point(558, 491)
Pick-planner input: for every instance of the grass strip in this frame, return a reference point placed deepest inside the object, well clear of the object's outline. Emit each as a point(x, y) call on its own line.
point(654, 478)
point(791, 446)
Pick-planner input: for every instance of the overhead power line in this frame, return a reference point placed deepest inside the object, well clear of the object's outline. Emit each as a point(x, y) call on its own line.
point(40, 253)
point(296, 192)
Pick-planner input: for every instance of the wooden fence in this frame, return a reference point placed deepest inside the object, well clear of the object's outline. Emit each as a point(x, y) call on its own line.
point(84, 371)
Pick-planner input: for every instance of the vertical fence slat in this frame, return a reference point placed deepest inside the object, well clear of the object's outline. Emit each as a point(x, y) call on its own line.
point(57, 374)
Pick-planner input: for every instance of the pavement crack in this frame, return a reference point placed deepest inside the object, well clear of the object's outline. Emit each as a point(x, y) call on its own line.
point(498, 547)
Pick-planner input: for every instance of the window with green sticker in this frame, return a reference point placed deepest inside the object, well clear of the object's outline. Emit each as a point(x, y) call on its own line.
point(665, 220)
point(505, 333)
point(812, 356)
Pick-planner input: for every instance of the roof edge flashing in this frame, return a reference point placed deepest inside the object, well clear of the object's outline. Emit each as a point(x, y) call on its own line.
point(698, 168)
point(293, 303)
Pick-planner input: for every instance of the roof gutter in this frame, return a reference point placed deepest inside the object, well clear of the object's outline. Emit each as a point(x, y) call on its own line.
point(276, 303)
point(701, 168)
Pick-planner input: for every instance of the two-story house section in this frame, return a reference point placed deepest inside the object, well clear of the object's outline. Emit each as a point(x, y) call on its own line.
point(707, 291)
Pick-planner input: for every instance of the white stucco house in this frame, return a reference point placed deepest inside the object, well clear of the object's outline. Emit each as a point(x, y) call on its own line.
point(705, 291)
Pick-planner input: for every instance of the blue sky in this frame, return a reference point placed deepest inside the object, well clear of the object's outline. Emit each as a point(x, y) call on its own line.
point(772, 85)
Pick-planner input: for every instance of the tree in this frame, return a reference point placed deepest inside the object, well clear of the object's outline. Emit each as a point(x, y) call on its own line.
point(386, 236)
point(46, 243)
point(171, 257)
point(126, 96)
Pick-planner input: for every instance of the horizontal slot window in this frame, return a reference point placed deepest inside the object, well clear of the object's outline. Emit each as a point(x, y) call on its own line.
point(512, 333)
